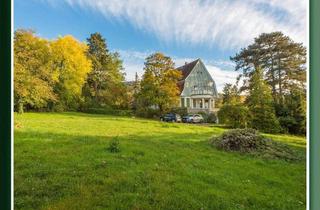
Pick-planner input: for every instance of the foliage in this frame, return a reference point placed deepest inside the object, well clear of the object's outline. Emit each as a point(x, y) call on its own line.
point(230, 94)
point(292, 114)
point(235, 116)
point(108, 111)
point(133, 92)
point(114, 145)
point(242, 140)
point(182, 111)
point(250, 141)
point(260, 104)
point(283, 66)
point(208, 117)
point(218, 102)
point(72, 65)
point(158, 86)
point(281, 59)
point(147, 112)
point(105, 83)
point(33, 78)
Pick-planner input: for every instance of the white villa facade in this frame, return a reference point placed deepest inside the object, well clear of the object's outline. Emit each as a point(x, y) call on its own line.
point(197, 88)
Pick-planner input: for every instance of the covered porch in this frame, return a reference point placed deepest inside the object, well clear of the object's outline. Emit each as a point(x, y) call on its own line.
point(195, 104)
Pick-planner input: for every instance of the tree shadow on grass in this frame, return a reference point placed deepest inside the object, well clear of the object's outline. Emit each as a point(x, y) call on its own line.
point(62, 171)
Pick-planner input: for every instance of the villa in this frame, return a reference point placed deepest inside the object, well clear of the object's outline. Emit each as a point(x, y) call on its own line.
point(197, 88)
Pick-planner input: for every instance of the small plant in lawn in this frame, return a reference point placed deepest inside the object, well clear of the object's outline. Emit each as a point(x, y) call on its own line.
point(114, 145)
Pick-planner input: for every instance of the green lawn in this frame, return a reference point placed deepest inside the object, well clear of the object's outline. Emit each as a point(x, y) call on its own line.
point(62, 162)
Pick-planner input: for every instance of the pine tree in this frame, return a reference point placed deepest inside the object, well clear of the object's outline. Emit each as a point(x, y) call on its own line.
point(260, 104)
point(105, 84)
point(280, 58)
point(99, 56)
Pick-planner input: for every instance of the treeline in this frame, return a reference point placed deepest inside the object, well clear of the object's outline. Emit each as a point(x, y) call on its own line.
point(273, 89)
point(66, 74)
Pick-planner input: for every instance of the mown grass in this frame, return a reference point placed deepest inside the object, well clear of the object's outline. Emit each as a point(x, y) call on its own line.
point(62, 161)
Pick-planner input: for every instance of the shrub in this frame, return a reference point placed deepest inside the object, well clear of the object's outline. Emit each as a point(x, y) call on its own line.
point(250, 141)
point(114, 145)
point(108, 111)
point(243, 140)
point(235, 116)
point(148, 112)
point(209, 118)
point(182, 111)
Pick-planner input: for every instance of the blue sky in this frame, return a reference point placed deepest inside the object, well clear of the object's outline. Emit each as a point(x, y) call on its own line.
point(183, 29)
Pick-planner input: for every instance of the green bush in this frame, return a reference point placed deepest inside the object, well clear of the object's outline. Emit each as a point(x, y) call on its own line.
point(114, 145)
point(208, 118)
point(235, 116)
point(148, 113)
point(250, 141)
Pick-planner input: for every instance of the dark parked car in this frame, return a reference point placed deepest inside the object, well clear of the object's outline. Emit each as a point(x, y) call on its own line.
point(193, 118)
point(171, 117)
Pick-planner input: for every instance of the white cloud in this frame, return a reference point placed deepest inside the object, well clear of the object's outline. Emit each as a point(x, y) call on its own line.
point(221, 71)
point(227, 23)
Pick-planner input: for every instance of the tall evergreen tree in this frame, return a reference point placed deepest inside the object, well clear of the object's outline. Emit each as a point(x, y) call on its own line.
point(105, 84)
point(260, 104)
point(281, 59)
point(99, 56)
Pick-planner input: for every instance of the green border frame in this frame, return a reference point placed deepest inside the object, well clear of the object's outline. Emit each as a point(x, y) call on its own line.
point(5, 105)
point(314, 101)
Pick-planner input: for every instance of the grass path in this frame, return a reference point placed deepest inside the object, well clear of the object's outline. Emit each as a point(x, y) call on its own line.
point(62, 162)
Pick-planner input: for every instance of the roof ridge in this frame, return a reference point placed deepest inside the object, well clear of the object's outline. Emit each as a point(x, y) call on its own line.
point(187, 68)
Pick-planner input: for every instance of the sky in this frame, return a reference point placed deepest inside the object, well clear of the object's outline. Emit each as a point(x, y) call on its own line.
point(212, 30)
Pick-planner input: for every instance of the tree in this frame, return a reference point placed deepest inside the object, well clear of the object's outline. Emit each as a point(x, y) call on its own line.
point(116, 91)
point(293, 112)
point(279, 57)
point(260, 104)
point(230, 94)
point(135, 92)
point(99, 56)
point(33, 77)
point(159, 83)
point(105, 83)
point(72, 65)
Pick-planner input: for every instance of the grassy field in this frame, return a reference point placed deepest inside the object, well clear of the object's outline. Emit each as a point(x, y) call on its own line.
point(62, 162)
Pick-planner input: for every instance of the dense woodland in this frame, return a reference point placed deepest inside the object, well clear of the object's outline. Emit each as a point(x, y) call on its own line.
point(65, 74)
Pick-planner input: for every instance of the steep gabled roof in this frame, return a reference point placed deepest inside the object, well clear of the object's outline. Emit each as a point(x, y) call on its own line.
point(187, 68)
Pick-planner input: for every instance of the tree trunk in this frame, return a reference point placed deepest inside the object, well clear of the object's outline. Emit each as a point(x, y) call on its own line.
point(20, 107)
point(280, 82)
